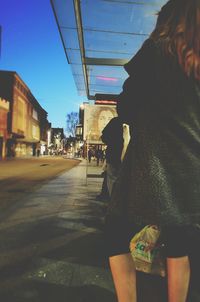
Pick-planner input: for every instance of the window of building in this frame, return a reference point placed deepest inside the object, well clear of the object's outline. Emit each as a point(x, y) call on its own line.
point(21, 114)
point(35, 132)
point(35, 114)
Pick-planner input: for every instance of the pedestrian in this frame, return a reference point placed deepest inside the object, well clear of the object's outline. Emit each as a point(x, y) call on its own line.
point(98, 155)
point(159, 181)
point(38, 152)
point(90, 155)
point(112, 136)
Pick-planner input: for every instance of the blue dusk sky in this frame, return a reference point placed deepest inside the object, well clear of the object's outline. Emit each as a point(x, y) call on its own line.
point(31, 46)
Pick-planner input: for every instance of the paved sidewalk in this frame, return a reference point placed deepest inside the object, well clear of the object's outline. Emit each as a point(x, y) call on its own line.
point(51, 248)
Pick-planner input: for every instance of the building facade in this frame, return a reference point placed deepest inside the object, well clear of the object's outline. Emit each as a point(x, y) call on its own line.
point(4, 109)
point(93, 119)
point(27, 123)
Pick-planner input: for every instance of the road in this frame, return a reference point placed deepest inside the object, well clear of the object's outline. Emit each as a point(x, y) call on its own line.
point(19, 177)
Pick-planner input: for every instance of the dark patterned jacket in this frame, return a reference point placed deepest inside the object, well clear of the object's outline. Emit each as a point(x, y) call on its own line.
point(159, 180)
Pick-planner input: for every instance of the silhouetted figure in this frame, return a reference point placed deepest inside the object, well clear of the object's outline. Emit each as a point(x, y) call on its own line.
point(112, 136)
point(89, 155)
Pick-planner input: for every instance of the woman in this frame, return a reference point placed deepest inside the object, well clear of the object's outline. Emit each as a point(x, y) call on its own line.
point(159, 182)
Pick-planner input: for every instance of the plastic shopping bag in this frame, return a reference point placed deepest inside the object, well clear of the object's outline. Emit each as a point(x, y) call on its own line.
point(146, 251)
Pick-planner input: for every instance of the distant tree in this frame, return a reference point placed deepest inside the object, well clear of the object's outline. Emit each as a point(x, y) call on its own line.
point(72, 121)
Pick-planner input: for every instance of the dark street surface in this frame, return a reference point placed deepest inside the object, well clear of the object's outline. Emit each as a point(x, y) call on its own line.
point(51, 237)
point(19, 177)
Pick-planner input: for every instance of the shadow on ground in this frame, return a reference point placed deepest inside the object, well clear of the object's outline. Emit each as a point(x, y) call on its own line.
point(42, 292)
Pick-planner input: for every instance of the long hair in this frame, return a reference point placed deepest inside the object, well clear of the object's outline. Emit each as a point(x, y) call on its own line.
point(178, 28)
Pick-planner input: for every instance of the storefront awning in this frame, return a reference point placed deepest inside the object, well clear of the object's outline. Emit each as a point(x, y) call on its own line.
point(100, 36)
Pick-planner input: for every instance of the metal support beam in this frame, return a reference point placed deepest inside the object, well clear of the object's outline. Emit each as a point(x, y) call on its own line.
point(106, 61)
point(77, 10)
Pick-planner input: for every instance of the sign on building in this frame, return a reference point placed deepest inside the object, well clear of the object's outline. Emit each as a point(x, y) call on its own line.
point(96, 117)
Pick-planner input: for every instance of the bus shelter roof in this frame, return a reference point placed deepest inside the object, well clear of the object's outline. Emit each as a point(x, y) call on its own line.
point(100, 36)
